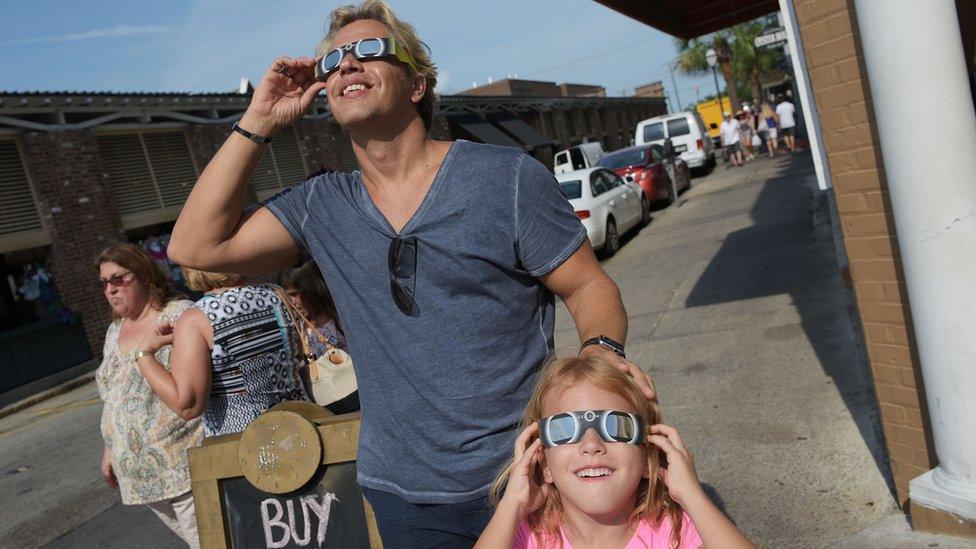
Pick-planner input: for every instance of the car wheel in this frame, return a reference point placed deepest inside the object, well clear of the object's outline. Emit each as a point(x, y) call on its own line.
point(612, 241)
point(645, 211)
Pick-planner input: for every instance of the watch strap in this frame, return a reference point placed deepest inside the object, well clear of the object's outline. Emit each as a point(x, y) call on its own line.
point(259, 139)
point(606, 343)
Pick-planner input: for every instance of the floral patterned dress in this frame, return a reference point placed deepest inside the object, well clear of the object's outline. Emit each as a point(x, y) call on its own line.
point(147, 441)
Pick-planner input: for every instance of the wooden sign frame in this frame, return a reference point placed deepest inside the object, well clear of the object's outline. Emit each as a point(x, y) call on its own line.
point(217, 459)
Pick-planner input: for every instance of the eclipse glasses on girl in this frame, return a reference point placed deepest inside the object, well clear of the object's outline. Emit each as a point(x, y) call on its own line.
point(611, 425)
point(367, 48)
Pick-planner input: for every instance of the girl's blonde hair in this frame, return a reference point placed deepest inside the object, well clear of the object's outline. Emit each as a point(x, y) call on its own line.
point(204, 281)
point(401, 31)
point(653, 501)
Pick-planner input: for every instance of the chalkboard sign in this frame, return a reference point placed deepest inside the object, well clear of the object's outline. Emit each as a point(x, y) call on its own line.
point(244, 512)
point(328, 513)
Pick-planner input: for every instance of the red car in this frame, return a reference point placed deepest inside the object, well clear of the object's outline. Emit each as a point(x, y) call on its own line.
point(645, 164)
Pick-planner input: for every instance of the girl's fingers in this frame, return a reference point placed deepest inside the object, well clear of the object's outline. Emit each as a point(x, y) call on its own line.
point(663, 443)
point(522, 441)
point(669, 432)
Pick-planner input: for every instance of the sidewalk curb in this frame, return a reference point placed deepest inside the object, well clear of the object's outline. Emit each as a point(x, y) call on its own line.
point(47, 394)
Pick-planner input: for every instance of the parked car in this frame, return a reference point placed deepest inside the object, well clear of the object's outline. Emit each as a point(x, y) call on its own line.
point(577, 157)
point(608, 205)
point(687, 133)
point(645, 165)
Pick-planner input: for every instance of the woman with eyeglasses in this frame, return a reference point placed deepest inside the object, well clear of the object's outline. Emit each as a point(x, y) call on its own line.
point(236, 353)
point(145, 442)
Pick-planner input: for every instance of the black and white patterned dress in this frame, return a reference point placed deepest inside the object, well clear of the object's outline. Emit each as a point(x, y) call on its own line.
point(253, 357)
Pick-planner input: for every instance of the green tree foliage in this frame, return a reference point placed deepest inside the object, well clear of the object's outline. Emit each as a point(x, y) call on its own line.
point(739, 60)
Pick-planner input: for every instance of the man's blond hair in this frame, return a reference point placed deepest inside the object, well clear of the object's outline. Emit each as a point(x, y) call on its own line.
point(401, 31)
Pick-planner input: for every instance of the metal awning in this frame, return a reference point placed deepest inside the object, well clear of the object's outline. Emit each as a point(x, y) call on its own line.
point(525, 133)
point(691, 18)
point(483, 130)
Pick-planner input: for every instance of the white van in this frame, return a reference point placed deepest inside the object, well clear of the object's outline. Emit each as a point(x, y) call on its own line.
point(578, 157)
point(687, 133)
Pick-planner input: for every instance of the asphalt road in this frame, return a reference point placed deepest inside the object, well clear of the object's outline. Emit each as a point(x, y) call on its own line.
point(736, 307)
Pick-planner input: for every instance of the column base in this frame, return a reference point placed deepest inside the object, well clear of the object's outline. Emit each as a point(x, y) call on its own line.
point(937, 491)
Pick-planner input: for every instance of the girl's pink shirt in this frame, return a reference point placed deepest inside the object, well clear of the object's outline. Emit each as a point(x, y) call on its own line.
point(647, 537)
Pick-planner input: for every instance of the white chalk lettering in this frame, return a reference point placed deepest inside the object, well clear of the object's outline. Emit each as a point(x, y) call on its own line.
point(302, 542)
point(290, 530)
point(270, 523)
point(322, 512)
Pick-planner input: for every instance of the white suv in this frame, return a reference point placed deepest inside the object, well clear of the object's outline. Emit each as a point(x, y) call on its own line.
point(687, 133)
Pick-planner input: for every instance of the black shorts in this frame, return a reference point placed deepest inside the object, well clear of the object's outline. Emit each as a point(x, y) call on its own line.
point(787, 131)
point(734, 148)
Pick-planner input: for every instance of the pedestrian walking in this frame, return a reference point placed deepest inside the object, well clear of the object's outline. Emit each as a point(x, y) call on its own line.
point(772, 126)
point(235, 354)
point(785, 111)
point(145, 442)
point(444, 260)
point(731, 136)
point(748, 128)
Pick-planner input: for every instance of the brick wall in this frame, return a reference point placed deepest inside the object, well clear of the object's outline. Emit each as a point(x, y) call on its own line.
point(80, 215)
point(835, 61)
point(205, 140)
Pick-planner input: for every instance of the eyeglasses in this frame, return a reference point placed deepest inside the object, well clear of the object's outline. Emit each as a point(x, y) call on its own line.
point(402, 263)
point(611, 425)
point(117, 280)
point(367, 48)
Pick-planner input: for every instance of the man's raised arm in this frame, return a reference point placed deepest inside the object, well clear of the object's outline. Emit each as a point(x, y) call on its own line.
point(213, 232)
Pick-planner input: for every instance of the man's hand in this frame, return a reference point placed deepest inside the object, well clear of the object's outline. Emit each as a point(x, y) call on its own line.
point(286, 91)
point(642, 378)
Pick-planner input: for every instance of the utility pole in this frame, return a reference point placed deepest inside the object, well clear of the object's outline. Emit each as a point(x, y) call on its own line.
point(673, 85)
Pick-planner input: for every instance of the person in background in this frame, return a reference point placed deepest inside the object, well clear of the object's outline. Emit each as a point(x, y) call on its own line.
point(748, 127)
point(731, 135)
point(235, 354)
point(786, 113)
point(310, 295)
point(145, 442)
point(772, 125)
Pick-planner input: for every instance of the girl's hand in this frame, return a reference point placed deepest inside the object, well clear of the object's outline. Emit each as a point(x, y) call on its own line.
point(523, 489)
point(286, 91)
point(156, 339)
point(679, 477)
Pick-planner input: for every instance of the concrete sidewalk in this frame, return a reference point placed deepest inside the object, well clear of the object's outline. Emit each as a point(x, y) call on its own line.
point(738, 310)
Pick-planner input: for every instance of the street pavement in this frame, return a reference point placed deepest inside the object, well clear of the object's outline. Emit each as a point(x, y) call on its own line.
point(736, 308)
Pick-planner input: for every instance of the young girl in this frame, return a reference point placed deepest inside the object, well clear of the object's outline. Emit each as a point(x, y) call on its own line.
point(594, 467)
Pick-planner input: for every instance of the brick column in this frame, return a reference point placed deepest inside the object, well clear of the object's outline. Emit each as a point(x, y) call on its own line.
point(318, 142)
point(81, 217)
point(840, 87)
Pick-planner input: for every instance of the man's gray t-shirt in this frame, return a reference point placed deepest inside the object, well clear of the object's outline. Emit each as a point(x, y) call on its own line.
point(442, 391)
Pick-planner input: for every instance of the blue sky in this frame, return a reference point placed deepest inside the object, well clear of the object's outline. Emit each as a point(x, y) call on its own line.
point(208, 45)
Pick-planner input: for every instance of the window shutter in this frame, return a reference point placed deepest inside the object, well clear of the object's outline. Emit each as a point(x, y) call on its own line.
point(172, 166)
point(128, 173)
point(288, 158)
point(18, 213)
point(265, 180)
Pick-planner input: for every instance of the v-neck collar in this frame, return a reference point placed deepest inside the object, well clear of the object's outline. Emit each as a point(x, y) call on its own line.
point(425, 205)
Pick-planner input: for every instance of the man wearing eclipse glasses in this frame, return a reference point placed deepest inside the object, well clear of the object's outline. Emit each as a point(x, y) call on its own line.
point(443, 259)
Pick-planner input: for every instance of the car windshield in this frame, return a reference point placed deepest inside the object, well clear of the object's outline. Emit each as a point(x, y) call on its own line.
point(622, 159)
point(653, 132)
point(572, 189)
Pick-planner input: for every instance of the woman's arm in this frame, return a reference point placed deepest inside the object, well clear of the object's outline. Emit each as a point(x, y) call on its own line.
point(185, 387)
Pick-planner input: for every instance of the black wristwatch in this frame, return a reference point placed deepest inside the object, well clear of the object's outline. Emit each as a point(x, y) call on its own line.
point(606, 343)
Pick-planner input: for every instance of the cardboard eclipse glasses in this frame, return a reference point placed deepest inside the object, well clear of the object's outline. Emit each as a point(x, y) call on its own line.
point(367, 48)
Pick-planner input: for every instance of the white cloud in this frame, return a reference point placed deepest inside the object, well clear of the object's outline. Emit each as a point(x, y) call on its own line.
point(112, 32)
point(443, 82)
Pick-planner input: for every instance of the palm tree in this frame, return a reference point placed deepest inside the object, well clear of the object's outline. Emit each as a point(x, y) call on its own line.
point(691, 59)
point(749, 61)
